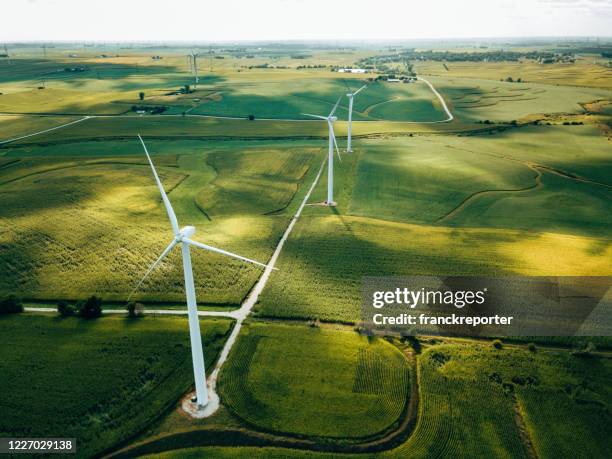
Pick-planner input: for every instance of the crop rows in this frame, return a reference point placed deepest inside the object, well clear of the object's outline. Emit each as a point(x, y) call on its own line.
point(100, 381)
point(307, 381)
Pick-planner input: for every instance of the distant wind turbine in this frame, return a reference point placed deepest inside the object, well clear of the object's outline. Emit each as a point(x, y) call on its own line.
point(330, 159)
point(350, 116)
point(193, 58)
point(182, 236)
point(8, 57)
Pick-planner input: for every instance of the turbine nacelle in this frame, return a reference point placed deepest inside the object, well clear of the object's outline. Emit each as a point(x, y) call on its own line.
point(332, 119)
point(349, 95)
point(186, 232)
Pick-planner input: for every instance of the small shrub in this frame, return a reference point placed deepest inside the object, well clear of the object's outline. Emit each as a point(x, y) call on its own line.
point(497, 344)
point(251, 117)
point(135, 309)
point(64, 309)
point(531, 347)
point(586, 351)
point(91, 309)
point(11, 305)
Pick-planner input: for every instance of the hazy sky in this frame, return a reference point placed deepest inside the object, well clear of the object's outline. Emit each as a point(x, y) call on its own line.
point(219, 20)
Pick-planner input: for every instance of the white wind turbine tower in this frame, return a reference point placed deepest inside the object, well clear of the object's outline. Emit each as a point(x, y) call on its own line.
point(350, 116)
point(330, 159)
point(182, 236)
point(193, 59)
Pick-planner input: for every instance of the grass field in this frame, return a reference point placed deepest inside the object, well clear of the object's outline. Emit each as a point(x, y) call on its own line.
point(122, 374)
point(111, 86)
point(582, 73)
point(349, 387)
point(13, 126)
point(477, 401)
point(476, 99)
point(80, 214)
point(110, 199)
point(296, 95)
point(400, 213)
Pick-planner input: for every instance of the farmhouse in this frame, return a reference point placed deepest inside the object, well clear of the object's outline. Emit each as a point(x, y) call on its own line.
point(353, 71)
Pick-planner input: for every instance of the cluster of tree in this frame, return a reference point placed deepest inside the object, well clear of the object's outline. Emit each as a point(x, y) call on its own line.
point(511, 80)
point(320, 66)
point(88, 309)
point(301, 56)
point(392, 76)
point(11, 305)
point(448, 56)
point(75, 69)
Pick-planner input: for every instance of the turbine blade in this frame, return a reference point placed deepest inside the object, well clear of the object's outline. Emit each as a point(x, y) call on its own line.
point(314, 116)
point(153, 266)
point(360, 89)
point(335, 107)
point(335, 143)
point(169, 209)
point(223, 252)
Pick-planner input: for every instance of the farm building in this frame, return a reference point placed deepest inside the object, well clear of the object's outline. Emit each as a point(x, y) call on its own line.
point(353, 71)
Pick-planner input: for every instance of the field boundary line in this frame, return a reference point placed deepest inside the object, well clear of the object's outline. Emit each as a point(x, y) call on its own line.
point(14, 139)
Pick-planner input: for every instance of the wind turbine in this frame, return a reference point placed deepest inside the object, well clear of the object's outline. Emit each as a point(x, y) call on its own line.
point(182, 236)
point(350, 116)
point(330, 160)
point(8, 57)
point(193, 58)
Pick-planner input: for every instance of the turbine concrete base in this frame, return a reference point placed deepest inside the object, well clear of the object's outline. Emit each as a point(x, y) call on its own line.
point(197, 411)
point(331, 203)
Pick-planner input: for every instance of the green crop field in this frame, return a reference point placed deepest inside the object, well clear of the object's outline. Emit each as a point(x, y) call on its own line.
point(98, 230)
point(296, 95)
point(518, 183)
point(101, 381)
point(474, 401)
point(349, 387)
point(480, 99)
point(474, 392)
point(580, 74)
point(449, 206)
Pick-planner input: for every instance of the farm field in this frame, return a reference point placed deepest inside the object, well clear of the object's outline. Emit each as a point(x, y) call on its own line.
point(349, 387)
point(583, 73)
point(474, 392)
point(124, 373)
point(110, 200)
point(519, 182)
point(478, 99)
point(420, 205)
point(475, 399)
point(328, 256)
point(13, 126)
point(111, 88)
point(297, 95)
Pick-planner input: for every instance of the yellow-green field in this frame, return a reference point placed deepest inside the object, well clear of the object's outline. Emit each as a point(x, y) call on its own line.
point(518, 183)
